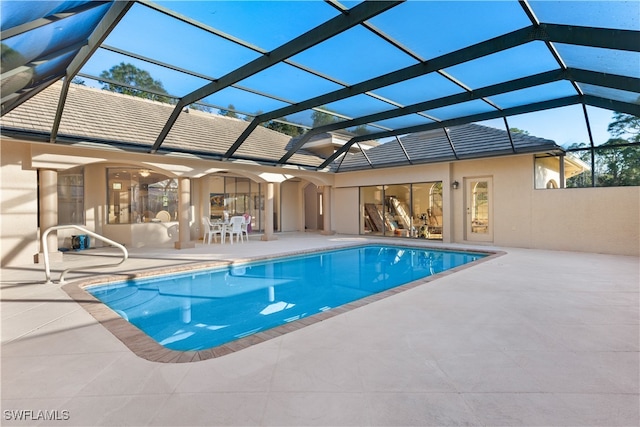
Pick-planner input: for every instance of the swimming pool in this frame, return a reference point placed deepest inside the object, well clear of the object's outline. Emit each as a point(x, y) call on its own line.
point(205, 309)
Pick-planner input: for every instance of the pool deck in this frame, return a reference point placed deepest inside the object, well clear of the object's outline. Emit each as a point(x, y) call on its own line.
point(529, 338)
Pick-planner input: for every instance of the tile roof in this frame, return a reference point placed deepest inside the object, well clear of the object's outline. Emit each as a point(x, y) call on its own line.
point(469, 141)
point(103, 116)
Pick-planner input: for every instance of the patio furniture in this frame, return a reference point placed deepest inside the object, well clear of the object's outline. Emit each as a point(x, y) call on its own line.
point(234, 229)
point(211, 229)
point(246, 226)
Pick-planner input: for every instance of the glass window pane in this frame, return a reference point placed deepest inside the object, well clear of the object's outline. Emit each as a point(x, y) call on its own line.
point(48, 39)
point(243, 101)
point(359, 105)
point(372, 219)
point(565, 126)
point(612, 61)
point(405, 121)
point(314, 118)
point(398, 218)
point(279, 21)
point(460, 110)
point(14, 13)
point(140, 195)
point(177, 43)
point(419, 89)
point(427, 210)
point(434, 28)
point(354, 56)
point(534, 94)
point(289, 82)
point(577, 169)
point(603, 14)
point(506, 65)
point(174, 82)
point(71, 197)
point(617, 166)
point(599, 120)
point(609, 93)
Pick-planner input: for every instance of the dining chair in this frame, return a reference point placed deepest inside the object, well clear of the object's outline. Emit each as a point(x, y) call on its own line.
point(246, 226)
point(234, 228)
point(211, 230)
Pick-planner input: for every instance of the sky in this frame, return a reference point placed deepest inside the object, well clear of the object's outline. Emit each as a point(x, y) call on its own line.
point(358, 54)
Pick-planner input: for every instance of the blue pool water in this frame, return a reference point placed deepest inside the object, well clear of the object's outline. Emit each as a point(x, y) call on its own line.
point(205, 309)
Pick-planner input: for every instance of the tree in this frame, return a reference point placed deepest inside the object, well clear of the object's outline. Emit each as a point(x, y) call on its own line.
point(321, 118)
point(140, 82)
point(617, 161)
point(618, 165)
point(286, 128)
point(229, 112)
point(520, 131)
point(200, 107)
point(625, 124)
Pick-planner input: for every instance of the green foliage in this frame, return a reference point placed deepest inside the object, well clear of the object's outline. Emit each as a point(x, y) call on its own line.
point(321, 118)
point(617, 161)
point(229, 112)
point(199, 107)
point(140, 81)
point(11, 58)
point(625, 124)
point(286, 128)
point(618, 166)
point(520, 131)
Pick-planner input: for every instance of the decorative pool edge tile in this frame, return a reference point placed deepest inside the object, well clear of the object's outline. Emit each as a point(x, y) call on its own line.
point(147, 348)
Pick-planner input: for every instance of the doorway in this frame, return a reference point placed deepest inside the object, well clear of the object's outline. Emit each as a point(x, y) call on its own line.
point(479, 209)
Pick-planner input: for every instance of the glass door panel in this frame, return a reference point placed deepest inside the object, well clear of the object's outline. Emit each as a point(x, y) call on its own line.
point(479, 209)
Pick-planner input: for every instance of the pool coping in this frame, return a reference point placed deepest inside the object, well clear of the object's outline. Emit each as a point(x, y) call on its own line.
point(147, 348)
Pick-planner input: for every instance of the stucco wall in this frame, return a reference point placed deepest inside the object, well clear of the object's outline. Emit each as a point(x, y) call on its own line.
point(19, 208)
point(605, 220)
point(290, 202)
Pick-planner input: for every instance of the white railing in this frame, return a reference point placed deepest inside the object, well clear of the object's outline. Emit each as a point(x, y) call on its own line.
point(45, 250)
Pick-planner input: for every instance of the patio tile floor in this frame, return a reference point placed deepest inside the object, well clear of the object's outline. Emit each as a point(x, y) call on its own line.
point(529, 338)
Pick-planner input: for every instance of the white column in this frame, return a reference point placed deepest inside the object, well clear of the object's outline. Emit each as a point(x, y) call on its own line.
point(268, 213)
point(326, 211)
point(48, 187)
point(184, 230)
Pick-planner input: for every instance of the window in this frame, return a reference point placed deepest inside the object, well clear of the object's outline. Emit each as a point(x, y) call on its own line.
point(71, 197)
point(404, 210)
point(140, 195)
point(230, 196)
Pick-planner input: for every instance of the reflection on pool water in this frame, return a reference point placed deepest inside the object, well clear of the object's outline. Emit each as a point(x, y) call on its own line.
point(205, 309)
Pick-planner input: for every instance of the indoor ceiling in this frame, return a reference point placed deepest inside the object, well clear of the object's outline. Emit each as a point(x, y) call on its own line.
point(378, 69)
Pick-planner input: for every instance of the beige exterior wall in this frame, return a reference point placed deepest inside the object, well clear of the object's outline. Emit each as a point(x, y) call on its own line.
point(601, 220)
point(19, 207)
point(290, 205)
point(605, 220)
